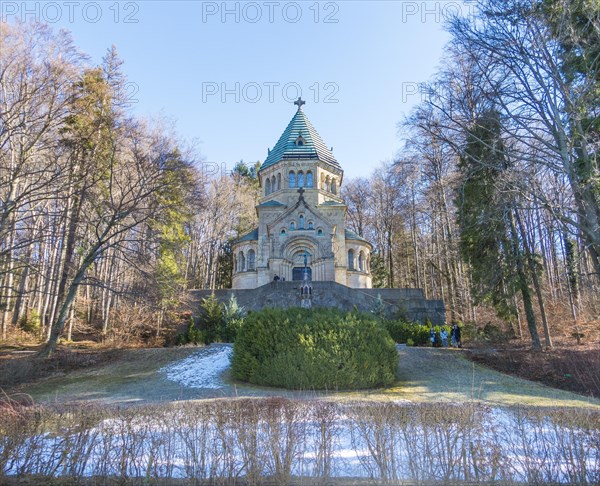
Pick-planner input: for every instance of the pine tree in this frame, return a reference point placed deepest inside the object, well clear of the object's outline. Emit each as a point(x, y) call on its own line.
point(233, 319)
point(489, 239)
point(211, 319)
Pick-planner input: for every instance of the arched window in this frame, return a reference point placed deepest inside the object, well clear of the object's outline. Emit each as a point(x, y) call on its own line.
point(309, 179)
point(327, 184)
point(292, 226)
point(241, 261)
point(251, 260)
point(323, 181)
point(292, 181)
point(334, 186)
point(279, 181)
point(319, 232)
point(273, 184)
point(300, 179)
point(361, 261)
point(301, 222)
point(350, 259)
point(311, 225)
point(283, 231)
point(268, 187)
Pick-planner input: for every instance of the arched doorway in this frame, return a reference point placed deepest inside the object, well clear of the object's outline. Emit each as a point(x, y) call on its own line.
point(302, 259)
point(299, 252)
point(298, 273)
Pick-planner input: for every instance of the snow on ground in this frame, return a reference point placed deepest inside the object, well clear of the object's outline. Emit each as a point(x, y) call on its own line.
point(201, 369)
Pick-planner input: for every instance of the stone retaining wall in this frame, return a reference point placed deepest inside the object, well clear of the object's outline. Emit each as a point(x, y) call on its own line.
point(411, 302)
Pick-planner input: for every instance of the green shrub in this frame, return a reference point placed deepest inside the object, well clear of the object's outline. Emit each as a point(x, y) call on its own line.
point(379, 308)
point(211, 320)
point(234, 316)
point(217, 322)
point(414, 334)
point(402, 332)
point(314, 349)
point(181, 339)
point(192, 335)
point(30, 322)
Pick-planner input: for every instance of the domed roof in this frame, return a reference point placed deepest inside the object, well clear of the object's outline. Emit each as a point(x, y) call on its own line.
point(300, 140)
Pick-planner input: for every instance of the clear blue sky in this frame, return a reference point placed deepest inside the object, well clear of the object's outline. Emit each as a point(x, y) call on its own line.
point(357, 64)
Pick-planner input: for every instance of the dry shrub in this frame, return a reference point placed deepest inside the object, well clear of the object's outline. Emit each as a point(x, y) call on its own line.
point(12, 406)
point(423, 442)
point(132, 326)
point(18, 338)
point(282, 441)
point(551, 446)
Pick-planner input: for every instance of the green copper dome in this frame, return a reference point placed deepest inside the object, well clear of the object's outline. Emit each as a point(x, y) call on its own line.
point(300, 140)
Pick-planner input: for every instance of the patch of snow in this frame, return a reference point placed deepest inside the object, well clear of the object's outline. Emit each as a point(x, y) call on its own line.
point(201, 369)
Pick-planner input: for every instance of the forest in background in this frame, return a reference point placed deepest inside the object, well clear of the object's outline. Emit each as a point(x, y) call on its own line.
point(492, 205)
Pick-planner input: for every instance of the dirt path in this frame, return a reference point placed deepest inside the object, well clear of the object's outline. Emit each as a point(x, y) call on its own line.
point(425, 375)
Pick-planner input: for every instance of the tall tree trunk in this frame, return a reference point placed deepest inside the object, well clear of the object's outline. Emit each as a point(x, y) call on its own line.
point(8, 284)
point(572, 281)
point(524, 287)
point(59, 325)
point(534, 276)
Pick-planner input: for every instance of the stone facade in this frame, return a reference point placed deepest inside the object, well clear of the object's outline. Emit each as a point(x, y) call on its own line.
point(301, 215)
point(302, 222)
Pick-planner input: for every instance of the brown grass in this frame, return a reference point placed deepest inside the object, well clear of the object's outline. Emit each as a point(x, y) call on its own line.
point(23, 366)
point(568, 366)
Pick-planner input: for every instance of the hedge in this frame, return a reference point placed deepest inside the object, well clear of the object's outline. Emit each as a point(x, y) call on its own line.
point(314, 349)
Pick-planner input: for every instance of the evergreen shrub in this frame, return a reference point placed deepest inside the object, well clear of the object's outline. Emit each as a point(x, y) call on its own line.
point(30, 322)
point(314, 349)
point(413, 333)
point(402, 332)
point(217, 322)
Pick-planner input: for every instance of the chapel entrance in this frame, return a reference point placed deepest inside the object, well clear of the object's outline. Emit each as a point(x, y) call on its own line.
point(298, 273)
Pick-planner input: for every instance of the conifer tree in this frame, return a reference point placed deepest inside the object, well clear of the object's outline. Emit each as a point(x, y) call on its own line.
point(489, 239)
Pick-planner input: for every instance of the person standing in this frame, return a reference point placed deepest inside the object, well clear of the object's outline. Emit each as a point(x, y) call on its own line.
point(444, 337)
point(455, 336)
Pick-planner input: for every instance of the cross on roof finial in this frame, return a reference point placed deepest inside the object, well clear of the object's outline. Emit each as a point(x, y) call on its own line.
point(299, 102)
